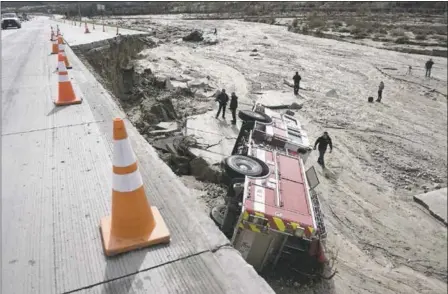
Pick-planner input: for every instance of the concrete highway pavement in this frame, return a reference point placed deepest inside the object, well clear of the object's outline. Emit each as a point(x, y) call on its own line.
point(56, 186)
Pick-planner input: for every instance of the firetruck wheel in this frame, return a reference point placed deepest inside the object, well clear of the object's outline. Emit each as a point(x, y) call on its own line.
point(248, 115)
point(217, 214)
point(240, 165)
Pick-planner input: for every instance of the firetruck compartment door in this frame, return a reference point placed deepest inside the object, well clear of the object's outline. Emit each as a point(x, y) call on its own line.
point(311, 176)
point(244, 242)
point(254, 247)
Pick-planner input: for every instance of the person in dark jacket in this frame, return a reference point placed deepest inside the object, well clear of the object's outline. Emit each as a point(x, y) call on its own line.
point(380, 92)
point(323, 142)
point(428, 66)
point(296, 79)
point(233, 106)
point(222, 100)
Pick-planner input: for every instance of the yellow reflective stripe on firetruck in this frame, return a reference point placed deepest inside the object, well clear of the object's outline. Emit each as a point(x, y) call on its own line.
point(311, 229)
point(279, 223)
point(254, 228)
point(259, 214)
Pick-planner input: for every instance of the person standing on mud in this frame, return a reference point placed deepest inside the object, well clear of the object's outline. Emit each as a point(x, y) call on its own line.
point(409, 72)
point(428, 66)
point(216, 31)
point(380, 92)
point(296, 79)
point(323, 142)
point(233, 106)
point(222, 100)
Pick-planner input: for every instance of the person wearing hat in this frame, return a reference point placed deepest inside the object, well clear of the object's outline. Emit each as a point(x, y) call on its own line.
point(323, 142)
point(233, 106)
point(222, 100)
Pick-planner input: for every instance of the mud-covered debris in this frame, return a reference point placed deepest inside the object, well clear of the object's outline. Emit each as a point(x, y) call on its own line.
point(295, 105)
point(157, 111)
point(199, 83)
point(202, 171)
point(168, 85)
point(255, 50)
point(288, 83)
point(332, 93)
point(194, 36)
point(210, 40)
point(254, 54)
point(290, 112)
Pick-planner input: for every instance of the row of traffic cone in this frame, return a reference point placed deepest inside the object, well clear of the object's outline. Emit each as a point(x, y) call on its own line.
point(133, 223)
point(66, 94)
point(86, 28)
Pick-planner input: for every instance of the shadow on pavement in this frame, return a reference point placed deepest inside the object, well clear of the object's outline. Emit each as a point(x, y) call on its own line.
point(56, 109)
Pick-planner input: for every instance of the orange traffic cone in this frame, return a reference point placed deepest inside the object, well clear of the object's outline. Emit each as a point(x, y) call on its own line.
point(86, 31)
point(66, 95)
point(134, 223)
point(62, 51)
point(55, 49)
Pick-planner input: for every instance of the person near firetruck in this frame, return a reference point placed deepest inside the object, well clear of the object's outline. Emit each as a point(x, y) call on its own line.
point(323, 141)
point(296, 78)
point(222, 100)
point(233, 106)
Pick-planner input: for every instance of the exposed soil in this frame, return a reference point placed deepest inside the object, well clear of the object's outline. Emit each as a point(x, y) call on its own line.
point(384, 153)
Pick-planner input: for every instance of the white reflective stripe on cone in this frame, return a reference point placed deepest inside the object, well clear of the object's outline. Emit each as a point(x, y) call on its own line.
point(61, 47)
point(127, 183)
point(63, 78)
point(123, 153)
point(61, 66)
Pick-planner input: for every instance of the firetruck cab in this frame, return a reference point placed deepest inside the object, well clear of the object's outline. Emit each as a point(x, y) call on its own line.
point(271, 212)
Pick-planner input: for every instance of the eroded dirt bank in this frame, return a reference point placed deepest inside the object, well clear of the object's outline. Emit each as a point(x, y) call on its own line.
point(156, 108)
point(384, 153)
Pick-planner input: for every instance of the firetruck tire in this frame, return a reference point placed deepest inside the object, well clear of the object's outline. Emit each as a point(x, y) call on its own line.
point(248, 115)
point(217, 214)
point(241, 165)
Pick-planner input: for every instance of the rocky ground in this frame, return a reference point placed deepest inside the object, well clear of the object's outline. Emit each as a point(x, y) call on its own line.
point(383, 153)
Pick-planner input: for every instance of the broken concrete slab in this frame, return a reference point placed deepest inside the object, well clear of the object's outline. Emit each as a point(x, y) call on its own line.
point(161, 132)
point(167, 125)
point(436, 203)
point(213, 135)
point(179, 84)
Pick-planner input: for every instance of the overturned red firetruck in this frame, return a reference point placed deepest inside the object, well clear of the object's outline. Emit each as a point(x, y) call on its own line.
point(272, 212)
